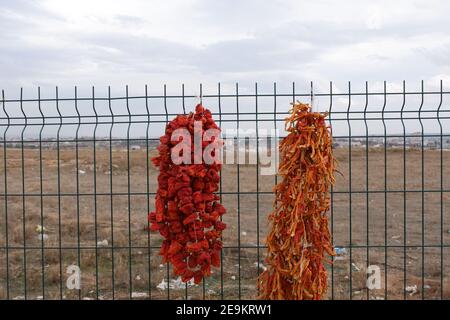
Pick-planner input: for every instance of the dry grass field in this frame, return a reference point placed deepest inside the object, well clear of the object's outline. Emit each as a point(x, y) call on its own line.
point(111, 207)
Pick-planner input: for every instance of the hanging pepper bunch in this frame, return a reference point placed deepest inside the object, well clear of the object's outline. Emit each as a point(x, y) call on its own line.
point(187, 212)
point(300, 238)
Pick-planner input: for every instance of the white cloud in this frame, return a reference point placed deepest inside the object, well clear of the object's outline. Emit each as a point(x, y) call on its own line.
point(104, 42)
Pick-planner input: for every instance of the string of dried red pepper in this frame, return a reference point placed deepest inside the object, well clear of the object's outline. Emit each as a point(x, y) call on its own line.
point(187, 211)
point(299, 237)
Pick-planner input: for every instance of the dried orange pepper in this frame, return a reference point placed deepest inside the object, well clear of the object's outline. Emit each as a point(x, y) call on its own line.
point(299, 238)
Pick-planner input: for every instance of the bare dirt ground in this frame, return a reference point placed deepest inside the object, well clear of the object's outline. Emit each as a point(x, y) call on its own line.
point(80, 208)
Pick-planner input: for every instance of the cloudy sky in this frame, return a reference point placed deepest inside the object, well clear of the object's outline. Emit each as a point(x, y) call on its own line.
point(106, 42)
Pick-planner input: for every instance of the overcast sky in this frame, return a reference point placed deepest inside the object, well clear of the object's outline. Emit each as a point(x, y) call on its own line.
point(105, 42)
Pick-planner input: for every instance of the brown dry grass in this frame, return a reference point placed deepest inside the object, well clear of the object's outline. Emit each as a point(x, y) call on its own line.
point(78, 221)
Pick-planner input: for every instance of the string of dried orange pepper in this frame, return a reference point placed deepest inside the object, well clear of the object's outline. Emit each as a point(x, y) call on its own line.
point(300, 236)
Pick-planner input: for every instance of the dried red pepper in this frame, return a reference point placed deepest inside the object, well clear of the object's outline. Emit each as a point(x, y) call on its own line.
point(187, 211)
point(300, 238)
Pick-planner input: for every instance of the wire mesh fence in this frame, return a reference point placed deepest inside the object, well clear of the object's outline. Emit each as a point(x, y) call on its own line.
point(78, 184)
